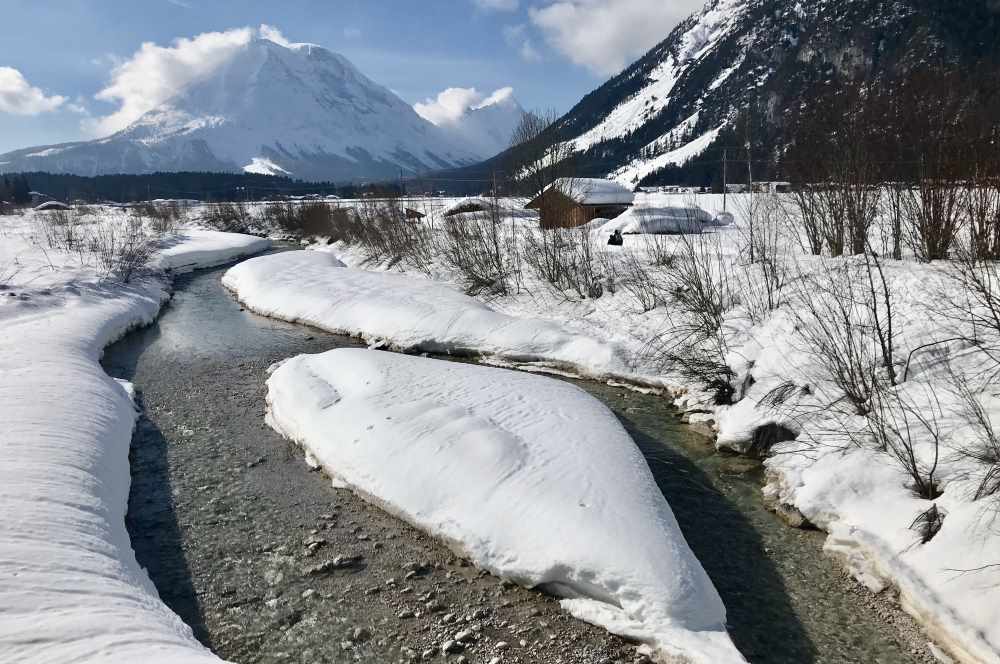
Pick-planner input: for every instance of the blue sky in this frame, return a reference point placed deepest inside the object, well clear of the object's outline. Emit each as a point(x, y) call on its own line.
point(56, 55)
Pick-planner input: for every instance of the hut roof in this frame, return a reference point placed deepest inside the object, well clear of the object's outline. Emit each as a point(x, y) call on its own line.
point(590, 191)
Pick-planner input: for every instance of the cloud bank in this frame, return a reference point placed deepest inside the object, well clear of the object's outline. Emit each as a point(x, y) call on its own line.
point(606, 35)
point(154, 73)
point(451, 104)
point(19, 97)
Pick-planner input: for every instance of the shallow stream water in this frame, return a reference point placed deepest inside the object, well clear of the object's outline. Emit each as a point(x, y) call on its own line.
point(225, 517)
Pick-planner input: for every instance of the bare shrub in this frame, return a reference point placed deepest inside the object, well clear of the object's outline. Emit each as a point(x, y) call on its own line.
point(845, 318)
point(566, 259)
point(163, 218)
point(765, 275)
point(900, 426)
point(641, 282)
point(306, 220)
point(975, 316)
point(537, 157)
point(485, 250)
point(701, 294)
point(384, 233)
point(660, 249)
point(984, 450)
point(123, 249)
point(229, 217)
point(61, 231)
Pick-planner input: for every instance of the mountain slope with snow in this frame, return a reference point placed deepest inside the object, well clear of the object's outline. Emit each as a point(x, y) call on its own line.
point(666, 117)
point(295, 109)
point(682, 102)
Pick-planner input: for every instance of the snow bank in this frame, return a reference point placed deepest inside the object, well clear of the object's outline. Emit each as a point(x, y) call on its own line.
point(412, 314)
point(194, 249)
point(70, 587)
point(531, 478)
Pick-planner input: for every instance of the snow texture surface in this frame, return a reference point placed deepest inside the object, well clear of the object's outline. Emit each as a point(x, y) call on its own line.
point(531, 478)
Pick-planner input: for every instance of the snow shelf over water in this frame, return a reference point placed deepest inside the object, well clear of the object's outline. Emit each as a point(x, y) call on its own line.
point(313, 287)
point(530, 478)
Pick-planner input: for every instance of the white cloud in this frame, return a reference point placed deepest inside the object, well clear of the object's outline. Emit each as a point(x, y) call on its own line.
point(451, 104)
point(271, 33)
point(497, 5)
point(18, 97)
point(156, 73)
point(605, 35)
point(517, 36)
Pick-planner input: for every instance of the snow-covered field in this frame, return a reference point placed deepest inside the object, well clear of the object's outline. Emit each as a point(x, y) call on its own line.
point(840, 475)
point(529, 478)
point(70, 587)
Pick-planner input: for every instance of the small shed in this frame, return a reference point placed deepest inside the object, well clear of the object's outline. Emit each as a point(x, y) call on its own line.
point(572, 202)
point(413, 215)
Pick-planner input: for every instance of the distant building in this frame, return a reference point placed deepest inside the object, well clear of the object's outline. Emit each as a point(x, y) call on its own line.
point(571, 202)
point(772, 187)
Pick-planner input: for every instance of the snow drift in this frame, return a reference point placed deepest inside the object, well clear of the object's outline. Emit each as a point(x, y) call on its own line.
point(70, 587)
point(531, 478)
point(411, 314)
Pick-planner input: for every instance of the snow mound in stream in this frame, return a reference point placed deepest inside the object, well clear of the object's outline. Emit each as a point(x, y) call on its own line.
point(531, 478)
point(411, 314)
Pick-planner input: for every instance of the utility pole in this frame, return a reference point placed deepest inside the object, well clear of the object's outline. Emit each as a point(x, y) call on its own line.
point(749, 150)
point(725, 185)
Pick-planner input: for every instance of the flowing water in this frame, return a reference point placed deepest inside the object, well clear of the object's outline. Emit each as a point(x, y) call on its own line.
point(222, 512)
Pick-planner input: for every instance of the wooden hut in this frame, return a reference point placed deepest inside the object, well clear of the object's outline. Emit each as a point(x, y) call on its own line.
point(571, 202)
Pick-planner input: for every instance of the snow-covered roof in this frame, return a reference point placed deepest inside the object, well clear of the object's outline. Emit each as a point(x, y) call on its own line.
point(469, 204)
point(593, 191)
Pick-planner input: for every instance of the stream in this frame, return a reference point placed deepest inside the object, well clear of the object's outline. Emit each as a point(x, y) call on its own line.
point(269, 563)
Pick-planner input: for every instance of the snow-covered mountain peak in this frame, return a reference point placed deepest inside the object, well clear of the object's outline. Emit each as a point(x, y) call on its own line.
point(275, 106)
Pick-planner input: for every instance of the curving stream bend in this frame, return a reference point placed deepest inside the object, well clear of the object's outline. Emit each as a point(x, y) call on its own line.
point(235, 529)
